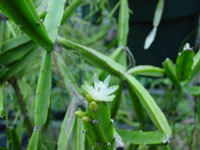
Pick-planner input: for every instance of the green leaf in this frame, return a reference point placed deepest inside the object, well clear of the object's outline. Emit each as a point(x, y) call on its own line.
point(98, 35)
point(117, 101)
point(3, 71)
point(184, 64)
point(137, 107)
point(2, 103)
point(70, 10)
point(12, 138)
point(66, 130)
point(35, 142)
point(103, 116)
point(14, 43)
point(90, 134)
point(114, 9)
point(147, 70)
point(123, 27)
point(171, 71)
point(43, 91)
point(19, 65)
point(149, 105)
point(94, 57)
point(20, 129)
point(16, 144)
point(16, 54)
point(24, 14)
point(119, 56)
point(196, 65)
point(53, 18)
point(2, 28)
point(116, 54)
point(78, 138)
point(195, 90)
point(11, 29)
point(100, 129)
point(142, 138)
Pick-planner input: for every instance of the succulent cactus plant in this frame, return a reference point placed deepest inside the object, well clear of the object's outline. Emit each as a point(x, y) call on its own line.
point(99, 128)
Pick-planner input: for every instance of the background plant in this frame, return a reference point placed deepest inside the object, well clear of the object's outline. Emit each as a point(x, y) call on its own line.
point(32, 90)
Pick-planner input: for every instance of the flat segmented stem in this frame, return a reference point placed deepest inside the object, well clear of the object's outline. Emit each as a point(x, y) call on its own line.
point(123, 23)
point(43, 91)
point(149, 105)
point(24, 14)
point(53, 18)
point(69, 10)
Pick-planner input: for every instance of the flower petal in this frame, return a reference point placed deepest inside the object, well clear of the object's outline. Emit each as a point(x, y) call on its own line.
point(108, 98)
point(88, 88)
point(107, 80)
point(112, 89)
point(96, 81)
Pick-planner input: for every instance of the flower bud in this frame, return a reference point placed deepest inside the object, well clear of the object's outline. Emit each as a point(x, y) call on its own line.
point(88, 97)
point(86, 119)
point(80, 114)
point(93, 106)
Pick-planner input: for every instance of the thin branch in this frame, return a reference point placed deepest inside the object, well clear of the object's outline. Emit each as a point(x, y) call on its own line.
point(22, 107)
point(76, 99)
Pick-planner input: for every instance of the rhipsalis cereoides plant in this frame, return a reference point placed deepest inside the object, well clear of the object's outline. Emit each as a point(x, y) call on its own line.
point(98, 125)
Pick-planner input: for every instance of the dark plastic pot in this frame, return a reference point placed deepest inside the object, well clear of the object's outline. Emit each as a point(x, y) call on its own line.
point(179, 25)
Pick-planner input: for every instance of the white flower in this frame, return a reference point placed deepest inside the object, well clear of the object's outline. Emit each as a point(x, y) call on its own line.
point(187, 46)
point(100, 91)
